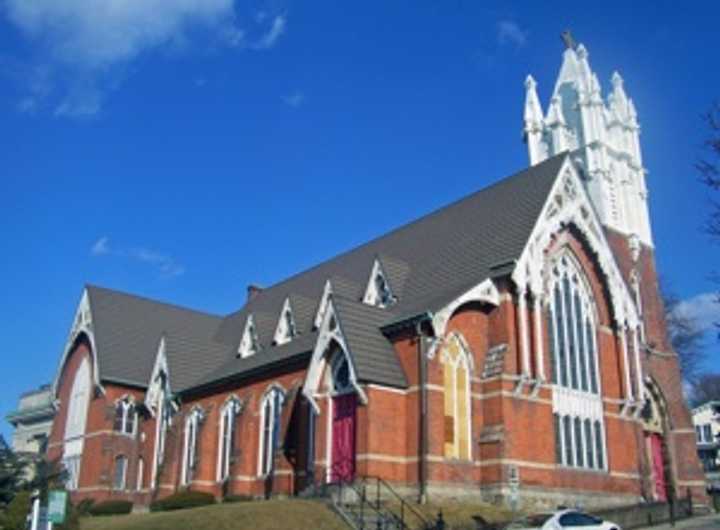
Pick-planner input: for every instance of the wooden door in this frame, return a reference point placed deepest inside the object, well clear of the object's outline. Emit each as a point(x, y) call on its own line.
point(343, 438)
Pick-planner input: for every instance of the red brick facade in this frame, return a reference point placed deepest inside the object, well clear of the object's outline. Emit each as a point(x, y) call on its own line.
point(511, 430)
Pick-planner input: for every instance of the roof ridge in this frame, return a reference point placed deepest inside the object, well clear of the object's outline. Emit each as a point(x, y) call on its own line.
point(153, 301)
point(502, 182)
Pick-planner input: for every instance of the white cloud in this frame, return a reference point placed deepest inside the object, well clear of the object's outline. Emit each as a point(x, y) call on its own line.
point(509, 32)
point(83, 46)
point(98, 33)
point(703, 308)
point(295, 99)
point(100, 247)
point(273, 34)
point(163, 263)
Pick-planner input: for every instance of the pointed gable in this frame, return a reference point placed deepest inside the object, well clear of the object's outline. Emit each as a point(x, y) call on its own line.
point(249, 343)
point(286, 328)
point(378, 292)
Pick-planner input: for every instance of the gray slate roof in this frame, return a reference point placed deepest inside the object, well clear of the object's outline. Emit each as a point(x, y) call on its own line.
point(428, 263)
point(128, 330)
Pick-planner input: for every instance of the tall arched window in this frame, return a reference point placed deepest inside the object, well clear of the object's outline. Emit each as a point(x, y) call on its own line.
point(228, 416)
point(573, 330)
point(340, 374)
point(190, 451)
point(457, 362)
point(121, 463)
point(270, 408)
point(75, 423)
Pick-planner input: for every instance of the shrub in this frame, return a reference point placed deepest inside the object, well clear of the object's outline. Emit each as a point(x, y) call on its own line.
point(182, 500)
point(17, 511)
point(114, 507)
point(84, 506)
point(237, 498)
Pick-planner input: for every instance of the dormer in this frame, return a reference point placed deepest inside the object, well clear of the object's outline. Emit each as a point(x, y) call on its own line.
point(378, 292)
point(249, 343)
point(285, 329)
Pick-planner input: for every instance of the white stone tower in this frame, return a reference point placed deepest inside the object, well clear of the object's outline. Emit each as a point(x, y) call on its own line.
point(603, 137)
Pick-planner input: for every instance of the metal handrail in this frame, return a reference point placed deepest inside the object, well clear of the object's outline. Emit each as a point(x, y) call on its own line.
point(403, 504)
point(363, 501)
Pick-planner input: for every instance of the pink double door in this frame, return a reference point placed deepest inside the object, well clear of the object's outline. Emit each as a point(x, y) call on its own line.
point(343, 438)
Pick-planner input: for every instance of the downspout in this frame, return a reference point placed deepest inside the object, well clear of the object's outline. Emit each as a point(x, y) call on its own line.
point(423, 410)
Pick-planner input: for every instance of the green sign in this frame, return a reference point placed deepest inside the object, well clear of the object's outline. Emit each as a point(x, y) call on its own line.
point(57, 501)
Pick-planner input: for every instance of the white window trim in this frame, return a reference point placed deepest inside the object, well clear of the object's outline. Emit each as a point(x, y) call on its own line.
point(269, 395)
point(329, 332)
point(127, 404)
point(140, 474)
point(249, 343)
point(76, 422)
point(565, 266)
point(123, 482)
point(231, 409)
point(372, 296)
point(192, 424)
point(578, 404)
point(283, 333)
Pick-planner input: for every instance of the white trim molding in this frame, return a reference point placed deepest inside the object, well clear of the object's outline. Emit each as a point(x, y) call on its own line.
point(378, 291)
point(286, 329)
point(249, 344)
point(484, 292)
point(82, 324)
point(330, 332)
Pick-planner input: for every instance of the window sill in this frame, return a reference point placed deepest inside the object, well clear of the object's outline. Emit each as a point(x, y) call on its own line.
point(563, 467)
point(124, 434)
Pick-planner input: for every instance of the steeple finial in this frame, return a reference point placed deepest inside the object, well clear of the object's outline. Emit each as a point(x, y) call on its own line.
point(533, 111)
point(568, 39)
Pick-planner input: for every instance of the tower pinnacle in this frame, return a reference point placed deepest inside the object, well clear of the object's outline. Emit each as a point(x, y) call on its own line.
point(603, 134)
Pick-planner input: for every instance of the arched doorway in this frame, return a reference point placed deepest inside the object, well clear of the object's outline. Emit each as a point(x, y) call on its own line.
point(343, 418)
point(655, 429)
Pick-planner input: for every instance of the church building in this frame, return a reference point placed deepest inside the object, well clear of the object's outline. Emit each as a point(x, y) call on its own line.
point(514, 338)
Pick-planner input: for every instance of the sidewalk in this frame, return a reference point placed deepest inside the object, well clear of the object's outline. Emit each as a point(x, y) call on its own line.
point(710, 521)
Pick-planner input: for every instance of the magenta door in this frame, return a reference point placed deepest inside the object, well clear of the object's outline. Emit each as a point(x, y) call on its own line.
point(658, 466)
point(343, 438)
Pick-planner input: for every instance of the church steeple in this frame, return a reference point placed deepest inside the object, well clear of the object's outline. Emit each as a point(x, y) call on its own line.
point(604, 138)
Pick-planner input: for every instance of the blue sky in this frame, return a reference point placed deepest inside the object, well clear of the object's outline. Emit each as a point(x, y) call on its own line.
point(183, 149)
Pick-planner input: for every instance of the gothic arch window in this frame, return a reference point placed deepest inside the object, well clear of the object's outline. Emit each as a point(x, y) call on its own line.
point(75, 423)
point(457, 364)
point(270, 408)
point(340, 369)
point(190, 447)
point(125, 417)
point(226, 448)
point(572, 328)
